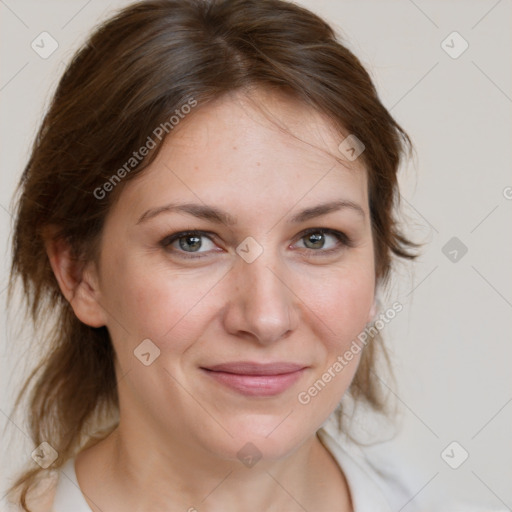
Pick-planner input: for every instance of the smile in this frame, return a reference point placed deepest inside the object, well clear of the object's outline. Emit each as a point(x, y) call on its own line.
point(253, 379)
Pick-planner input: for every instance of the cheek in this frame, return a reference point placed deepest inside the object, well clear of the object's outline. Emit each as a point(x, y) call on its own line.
point(342, 308)
point(151, 302)
point(342, 304)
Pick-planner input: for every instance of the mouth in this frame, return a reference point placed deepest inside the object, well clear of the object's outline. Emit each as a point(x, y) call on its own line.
point(255, 379)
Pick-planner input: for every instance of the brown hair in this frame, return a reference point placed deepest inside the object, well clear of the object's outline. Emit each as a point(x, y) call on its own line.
point(134, 72)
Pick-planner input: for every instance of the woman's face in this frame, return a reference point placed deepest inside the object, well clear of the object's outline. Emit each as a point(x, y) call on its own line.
point(254, 306)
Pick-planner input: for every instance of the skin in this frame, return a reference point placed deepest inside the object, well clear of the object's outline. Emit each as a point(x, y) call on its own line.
point(180, 430)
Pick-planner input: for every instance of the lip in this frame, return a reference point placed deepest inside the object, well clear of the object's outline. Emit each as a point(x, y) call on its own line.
point(256, 379)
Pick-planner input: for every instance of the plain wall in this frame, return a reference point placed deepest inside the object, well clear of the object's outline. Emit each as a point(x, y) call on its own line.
point(451, 344)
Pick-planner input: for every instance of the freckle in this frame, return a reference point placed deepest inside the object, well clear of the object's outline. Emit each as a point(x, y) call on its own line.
point(234, 147)
point(258, 164)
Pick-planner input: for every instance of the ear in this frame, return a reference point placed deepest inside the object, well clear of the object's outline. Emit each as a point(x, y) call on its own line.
point(78, 282)
point(373, 310)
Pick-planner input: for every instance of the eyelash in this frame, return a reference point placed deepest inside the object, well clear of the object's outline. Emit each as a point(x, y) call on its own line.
point(341, 237)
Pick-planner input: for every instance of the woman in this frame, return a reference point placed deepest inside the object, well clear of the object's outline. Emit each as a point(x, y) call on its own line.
point(207, 214)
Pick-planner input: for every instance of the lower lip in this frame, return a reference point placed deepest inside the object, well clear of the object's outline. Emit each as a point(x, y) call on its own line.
point(257, 385)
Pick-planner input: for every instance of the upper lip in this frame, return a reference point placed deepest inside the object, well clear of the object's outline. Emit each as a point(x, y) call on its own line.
point(250, 368)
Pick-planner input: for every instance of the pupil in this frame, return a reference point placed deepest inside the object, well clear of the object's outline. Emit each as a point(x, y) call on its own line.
point(315, 240)
point(190, 243)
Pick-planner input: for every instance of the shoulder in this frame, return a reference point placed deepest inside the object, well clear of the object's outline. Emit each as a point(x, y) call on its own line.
point(372, 486)
point(379, 480)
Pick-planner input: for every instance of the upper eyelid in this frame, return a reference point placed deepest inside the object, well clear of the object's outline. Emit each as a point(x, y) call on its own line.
point(208, 234)
point(188, 232)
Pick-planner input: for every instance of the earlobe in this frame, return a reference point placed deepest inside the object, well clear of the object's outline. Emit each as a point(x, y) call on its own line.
point(373, 311)
point(77, 281)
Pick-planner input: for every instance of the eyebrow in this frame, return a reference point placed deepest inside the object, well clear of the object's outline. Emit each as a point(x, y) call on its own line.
point(219, 216)
point(323, 209)
point(200, 211)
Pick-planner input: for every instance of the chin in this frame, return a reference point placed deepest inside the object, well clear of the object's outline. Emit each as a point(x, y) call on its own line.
point(263, 436)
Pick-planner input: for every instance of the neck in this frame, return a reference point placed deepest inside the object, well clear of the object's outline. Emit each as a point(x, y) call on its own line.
point(153, 475)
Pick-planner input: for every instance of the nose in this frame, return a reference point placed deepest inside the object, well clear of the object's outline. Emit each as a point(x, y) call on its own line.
point(262, 305)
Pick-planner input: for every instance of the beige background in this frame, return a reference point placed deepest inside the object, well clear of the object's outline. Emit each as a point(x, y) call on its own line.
point(452, 343)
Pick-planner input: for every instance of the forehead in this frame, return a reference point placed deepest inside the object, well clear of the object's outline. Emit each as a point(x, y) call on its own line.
point(251, 122)
point(262, 146)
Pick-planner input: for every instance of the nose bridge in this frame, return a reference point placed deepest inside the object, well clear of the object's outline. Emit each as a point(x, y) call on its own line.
point(263, 281)
point(263, 304)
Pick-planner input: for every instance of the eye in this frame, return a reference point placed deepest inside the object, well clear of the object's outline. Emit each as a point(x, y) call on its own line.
point(323, 240)
point(188, 242)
